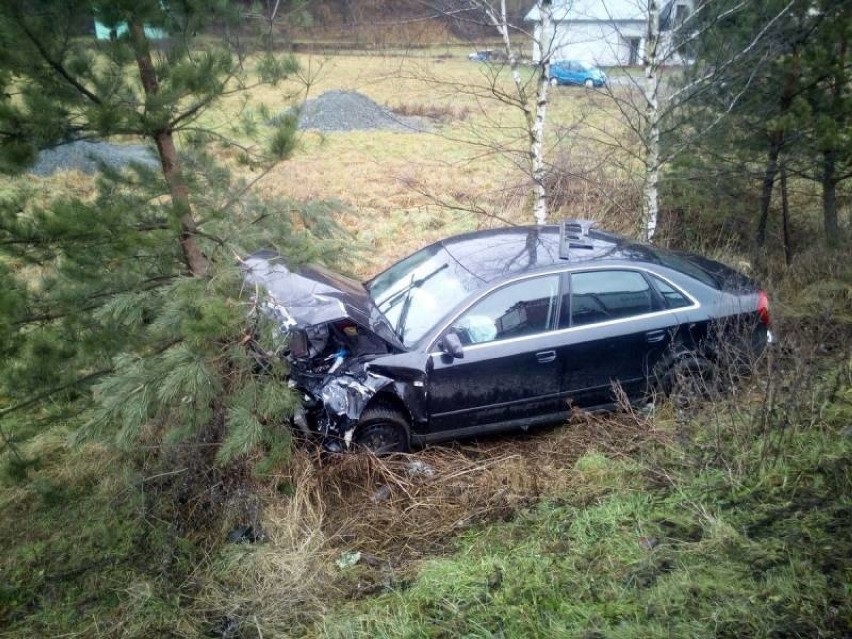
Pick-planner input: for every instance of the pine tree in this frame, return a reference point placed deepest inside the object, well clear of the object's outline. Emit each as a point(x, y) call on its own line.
point(782, 104)
point(122, 313)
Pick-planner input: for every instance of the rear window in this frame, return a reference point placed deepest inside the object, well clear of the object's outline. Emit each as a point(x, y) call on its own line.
point(679, 262)
point(672, 297)
point(709, 272)
point(600, 296)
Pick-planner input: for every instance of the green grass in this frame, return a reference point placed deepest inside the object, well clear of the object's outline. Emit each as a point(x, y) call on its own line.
point(705, 553)
point(80, 556)
point(670, 541)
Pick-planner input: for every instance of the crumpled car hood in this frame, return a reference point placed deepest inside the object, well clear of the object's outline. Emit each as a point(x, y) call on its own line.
point(314, 296)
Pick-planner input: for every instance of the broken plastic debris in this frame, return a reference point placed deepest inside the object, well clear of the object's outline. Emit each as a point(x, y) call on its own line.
point(348, 559)
point(245, 535)
point(419, 468)
point(380, 494)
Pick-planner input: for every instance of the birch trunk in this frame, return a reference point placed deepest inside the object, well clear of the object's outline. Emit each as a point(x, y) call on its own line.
point(540, 206)
point(193, 257)
point(534, 118)
point(651, 204)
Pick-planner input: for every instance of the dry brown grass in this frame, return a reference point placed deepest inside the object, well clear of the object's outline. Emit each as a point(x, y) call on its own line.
point(395, 511)
point(401, 191)
point(404, 506)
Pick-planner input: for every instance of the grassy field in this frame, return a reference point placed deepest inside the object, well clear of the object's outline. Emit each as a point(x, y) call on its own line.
point(402, 190)
point(726, 520)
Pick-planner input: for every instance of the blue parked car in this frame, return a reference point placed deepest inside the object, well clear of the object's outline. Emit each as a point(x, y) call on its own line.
point(576, 72)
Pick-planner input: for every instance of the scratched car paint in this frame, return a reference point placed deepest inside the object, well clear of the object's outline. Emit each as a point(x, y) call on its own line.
point(494, 330)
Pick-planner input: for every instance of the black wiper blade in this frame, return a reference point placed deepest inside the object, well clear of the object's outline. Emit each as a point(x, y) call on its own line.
point(403, 315)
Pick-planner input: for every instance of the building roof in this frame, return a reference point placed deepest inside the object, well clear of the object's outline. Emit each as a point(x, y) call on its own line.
point(593, 10)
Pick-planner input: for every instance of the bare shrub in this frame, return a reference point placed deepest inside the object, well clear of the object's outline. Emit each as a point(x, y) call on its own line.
point(440, 112)
point(383, 505)
point(762, 402)
point(583, 185)
point(390, 511)
point(288, 577)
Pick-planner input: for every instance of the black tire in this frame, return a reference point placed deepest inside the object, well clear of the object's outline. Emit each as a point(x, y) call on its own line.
point(382, 431)
point(589, 83)
point(689, 380)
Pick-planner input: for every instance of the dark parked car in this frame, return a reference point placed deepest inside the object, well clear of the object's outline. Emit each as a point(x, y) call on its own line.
point(499, 329)
point(487, 55)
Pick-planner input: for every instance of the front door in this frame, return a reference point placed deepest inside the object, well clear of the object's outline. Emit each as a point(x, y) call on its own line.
point(510, 369)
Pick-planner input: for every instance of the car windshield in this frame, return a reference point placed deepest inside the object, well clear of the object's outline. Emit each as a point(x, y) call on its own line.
point(418, 292)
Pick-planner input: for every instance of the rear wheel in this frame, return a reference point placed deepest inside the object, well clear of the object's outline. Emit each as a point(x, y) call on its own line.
point(382, 430)
point(589, 83)
point(689, 380)
point(554, 82)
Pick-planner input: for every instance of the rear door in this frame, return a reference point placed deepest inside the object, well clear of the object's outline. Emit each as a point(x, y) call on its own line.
point(616, 327)
point(510, 368)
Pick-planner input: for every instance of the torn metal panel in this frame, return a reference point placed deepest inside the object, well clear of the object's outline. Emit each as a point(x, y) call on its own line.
point(346, 396)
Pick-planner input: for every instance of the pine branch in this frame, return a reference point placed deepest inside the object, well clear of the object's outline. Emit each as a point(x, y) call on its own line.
point(32, 401)
point(56, 66)
point(145, 285)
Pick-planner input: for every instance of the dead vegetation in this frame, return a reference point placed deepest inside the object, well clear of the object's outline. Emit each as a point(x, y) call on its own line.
point(443, 113)
point(406, 506)
point(385, 514)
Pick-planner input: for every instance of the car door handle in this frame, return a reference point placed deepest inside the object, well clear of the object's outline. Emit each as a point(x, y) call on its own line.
point(652, 337)
point(545, 357)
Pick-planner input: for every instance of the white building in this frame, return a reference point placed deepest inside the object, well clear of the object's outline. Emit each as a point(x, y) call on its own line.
point(606, 32)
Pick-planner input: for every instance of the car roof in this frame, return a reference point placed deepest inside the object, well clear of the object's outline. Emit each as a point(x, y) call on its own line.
point(493, 254)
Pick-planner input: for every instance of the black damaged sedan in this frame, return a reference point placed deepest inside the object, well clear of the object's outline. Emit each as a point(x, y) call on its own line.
point(500, 329)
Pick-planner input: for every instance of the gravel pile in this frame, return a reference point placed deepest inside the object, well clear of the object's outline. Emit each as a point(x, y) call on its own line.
point(353, 111)
point(85, 156)
point(332, 111)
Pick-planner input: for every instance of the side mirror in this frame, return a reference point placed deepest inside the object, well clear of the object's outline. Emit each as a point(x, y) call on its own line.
point(451, 345)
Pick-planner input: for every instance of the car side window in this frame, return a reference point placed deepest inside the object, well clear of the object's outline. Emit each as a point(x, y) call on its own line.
point(523, 308)
point(600, 296)
point(673, 297)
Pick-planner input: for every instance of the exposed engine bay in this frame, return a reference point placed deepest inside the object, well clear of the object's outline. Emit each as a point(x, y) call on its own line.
point(328, 335)
point(330, 363)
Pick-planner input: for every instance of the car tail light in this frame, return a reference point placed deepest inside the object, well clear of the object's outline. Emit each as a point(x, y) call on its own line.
point(763, 309)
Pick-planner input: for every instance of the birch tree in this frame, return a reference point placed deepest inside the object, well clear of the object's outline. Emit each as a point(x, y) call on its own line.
point(530, 97)
point(651, 63)
point(656, 118)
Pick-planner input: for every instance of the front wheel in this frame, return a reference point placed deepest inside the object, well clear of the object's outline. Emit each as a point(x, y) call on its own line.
point(554, 82)
point(590, 84)
point(382, 431)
